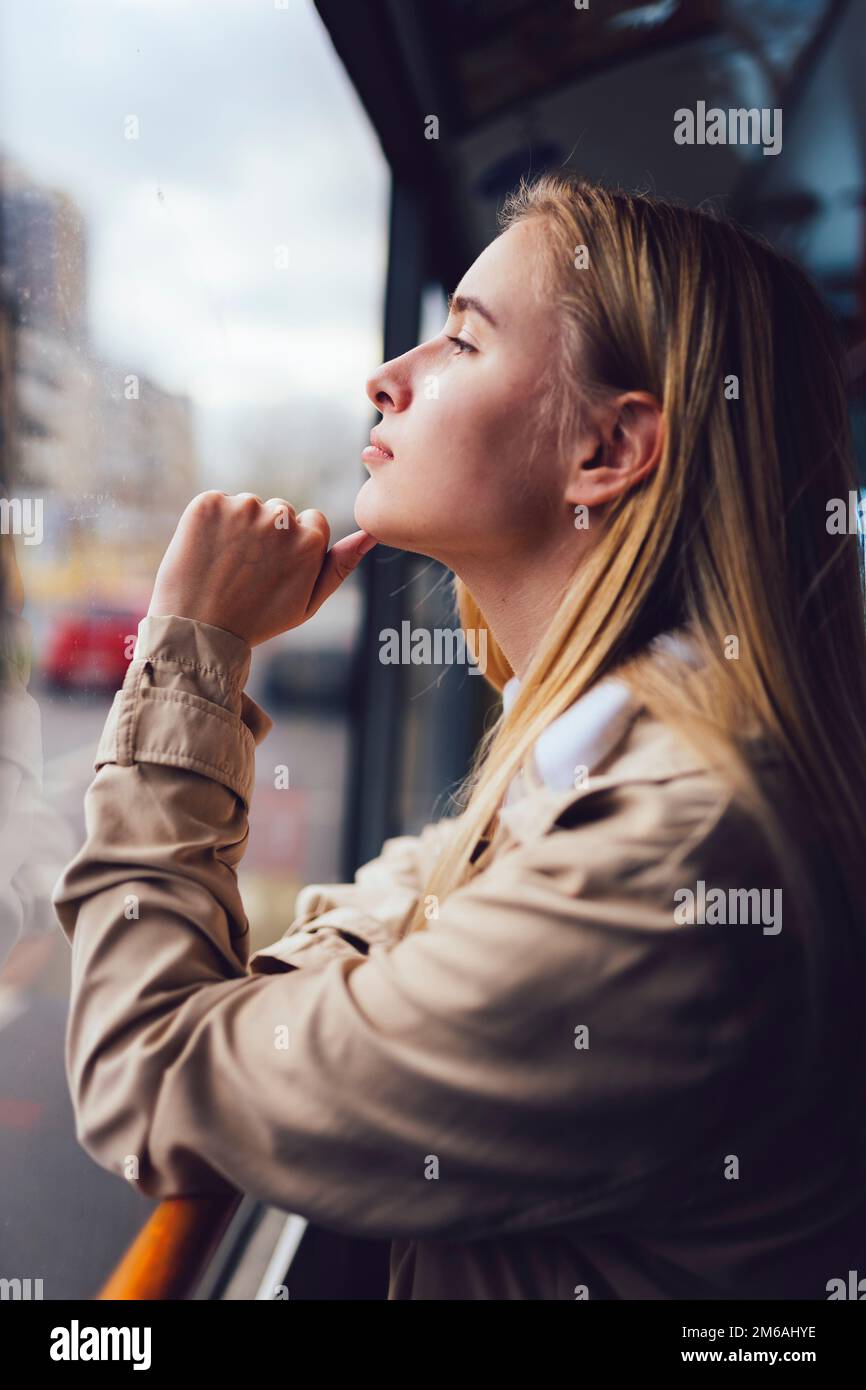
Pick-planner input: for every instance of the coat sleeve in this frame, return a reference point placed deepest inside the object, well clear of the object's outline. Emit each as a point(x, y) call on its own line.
point(346, 919)
point(433, 1086)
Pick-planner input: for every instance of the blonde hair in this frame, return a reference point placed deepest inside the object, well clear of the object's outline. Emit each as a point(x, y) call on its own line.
point(727, 536)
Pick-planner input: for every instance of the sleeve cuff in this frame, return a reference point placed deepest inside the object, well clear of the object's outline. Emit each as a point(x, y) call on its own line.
point(221, 660)
point(182, 703)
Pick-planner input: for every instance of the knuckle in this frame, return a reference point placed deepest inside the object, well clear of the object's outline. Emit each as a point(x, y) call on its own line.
point(207, 501)
point(313, 520)
point(278, 508)
point(310, 536)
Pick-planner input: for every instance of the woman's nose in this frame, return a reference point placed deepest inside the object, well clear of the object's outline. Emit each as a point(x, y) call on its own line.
point(388, 387)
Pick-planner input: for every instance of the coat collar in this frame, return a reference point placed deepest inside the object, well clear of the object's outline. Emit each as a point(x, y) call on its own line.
point(612, 737)
point(577, 741)
point(581, 740)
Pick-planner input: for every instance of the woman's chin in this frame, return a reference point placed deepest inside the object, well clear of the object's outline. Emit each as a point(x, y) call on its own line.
point(392, 525)
point(372, 515)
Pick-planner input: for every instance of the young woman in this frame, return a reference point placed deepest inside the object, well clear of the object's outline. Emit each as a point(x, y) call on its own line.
point(600, 1034)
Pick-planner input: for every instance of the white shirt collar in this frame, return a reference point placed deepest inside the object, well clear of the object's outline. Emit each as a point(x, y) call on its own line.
point(580, 738)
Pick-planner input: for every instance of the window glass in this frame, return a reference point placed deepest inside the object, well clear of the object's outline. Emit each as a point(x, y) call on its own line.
point(193, 216)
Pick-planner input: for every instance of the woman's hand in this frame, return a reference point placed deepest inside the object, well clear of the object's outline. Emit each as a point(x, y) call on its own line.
point(253, 568)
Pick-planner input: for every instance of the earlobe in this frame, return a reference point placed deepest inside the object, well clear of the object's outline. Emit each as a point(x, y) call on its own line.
point(589, 484)
point(594, 489)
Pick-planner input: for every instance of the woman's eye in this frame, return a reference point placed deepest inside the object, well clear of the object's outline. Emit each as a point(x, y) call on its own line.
point(462, 343)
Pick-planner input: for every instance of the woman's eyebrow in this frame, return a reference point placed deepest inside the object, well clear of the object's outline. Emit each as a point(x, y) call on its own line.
point(459, 303)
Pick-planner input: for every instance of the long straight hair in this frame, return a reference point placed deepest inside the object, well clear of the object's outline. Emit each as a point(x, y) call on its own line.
point(728, 537)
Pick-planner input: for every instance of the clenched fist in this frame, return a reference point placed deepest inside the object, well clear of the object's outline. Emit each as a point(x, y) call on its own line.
point(251, 567)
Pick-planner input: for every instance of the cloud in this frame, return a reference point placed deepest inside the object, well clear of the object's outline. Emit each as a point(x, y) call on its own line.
point(251, 138)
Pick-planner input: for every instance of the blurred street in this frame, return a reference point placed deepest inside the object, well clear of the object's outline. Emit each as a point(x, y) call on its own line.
point(294, 839)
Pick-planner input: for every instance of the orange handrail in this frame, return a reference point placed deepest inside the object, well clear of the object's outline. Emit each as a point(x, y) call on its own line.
point(173, 1248)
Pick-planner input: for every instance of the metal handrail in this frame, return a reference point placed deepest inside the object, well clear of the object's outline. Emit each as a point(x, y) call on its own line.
point(172, 1250)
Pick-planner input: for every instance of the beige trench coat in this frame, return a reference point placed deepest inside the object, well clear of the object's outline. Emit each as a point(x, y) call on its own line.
point(558, 1091)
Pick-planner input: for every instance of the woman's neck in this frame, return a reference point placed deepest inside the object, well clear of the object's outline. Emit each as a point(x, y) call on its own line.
point(520, 595)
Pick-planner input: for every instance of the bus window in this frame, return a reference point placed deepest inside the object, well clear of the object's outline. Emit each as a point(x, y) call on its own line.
point(183, 307)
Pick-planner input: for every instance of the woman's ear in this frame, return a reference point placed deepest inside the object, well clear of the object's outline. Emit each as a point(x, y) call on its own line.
point(623, 446)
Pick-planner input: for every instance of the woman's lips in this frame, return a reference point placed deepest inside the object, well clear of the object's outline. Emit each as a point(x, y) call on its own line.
point(377, 448)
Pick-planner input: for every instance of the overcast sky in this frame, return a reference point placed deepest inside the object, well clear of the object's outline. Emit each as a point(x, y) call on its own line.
point(251, 138)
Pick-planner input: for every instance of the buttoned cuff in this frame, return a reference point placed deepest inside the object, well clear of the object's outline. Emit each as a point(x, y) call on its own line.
point(182, 703)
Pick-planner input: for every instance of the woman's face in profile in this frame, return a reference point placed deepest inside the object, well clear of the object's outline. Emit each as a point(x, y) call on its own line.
point(459, 417)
